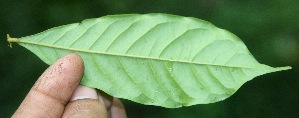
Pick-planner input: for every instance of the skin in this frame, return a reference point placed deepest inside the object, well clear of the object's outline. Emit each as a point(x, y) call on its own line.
point(57, 93)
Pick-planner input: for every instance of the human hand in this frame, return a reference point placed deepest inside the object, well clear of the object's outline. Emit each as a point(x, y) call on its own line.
point(57, 93)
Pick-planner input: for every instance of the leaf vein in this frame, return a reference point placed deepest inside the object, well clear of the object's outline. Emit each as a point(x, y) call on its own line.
point(130, 77)
point(197, 77)
point(123, 55)
point(39, 48)
point(169, 44)
point(100, 69)
point(45, 36)
point(159, 82)
point(176, 83)
point(101, 35)
point(134, 43)
point(121, 34)
point(86, 30)
point(213, 77)
point(64, 34)
point(201, 50)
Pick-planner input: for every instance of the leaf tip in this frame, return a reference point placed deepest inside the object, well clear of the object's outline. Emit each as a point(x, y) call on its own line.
point(11, 40)
point(281, 68)
point(285, 68)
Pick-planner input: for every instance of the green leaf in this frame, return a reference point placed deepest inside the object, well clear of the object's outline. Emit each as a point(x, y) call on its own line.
point(153, 59)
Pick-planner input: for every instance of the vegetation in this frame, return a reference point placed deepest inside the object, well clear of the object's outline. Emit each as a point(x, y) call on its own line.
point(269, 30)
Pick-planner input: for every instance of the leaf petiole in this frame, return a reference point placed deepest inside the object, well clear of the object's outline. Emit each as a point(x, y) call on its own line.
point(11, 40)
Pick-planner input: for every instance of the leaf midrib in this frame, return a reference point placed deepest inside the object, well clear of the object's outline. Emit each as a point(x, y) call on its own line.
point(122, 55)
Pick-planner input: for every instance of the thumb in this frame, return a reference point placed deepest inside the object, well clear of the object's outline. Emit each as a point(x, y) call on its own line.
point(84, 103)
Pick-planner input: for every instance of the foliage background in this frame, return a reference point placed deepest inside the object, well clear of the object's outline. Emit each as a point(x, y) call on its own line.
point(270, 29)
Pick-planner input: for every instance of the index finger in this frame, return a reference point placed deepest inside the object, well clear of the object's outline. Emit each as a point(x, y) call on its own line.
point(53, 89)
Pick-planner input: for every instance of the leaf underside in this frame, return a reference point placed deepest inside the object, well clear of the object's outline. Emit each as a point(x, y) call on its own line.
point(154, 59)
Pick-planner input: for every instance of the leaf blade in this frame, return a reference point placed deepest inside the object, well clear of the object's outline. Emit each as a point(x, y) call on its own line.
point(184, 61)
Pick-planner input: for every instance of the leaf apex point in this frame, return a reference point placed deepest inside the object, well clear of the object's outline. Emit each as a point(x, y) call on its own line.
point(282, 68)
point(286, 68)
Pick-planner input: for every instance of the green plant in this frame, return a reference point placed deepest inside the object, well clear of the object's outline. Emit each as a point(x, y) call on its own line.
point(154, 59)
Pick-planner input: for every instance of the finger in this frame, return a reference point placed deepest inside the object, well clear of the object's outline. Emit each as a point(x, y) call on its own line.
point(114, 106)
point(107, 99)
point(53, 89)
point(85, 103)
point(118, 109)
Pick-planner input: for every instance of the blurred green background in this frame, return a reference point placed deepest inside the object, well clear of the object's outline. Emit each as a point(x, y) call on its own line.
point(270, 29)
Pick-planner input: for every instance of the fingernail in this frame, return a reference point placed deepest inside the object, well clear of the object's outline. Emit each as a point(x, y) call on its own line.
point(83, 92)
